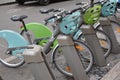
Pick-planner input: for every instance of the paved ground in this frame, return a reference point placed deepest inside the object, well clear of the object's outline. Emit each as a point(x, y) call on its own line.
point(32, 10)
point(113, 74)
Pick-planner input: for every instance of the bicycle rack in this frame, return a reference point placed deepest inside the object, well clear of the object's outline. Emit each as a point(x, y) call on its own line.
point(72, 57)
point(107, 27)
point(38, 64)
point(93, 42)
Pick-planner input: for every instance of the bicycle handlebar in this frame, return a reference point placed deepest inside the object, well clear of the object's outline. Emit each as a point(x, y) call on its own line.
point(81, 3)
point(74, 10)
point(49, 18)
point(46, 11)
point(60, 14)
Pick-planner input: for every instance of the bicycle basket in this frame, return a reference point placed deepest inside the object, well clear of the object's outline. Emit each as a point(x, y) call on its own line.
point(92, 14)
point(70, 23)
point(109, 8)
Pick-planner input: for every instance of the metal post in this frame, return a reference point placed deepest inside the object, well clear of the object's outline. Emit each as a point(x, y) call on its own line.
point(93, 42)
point(107, 27)
point(72, 57)
point(37, 64)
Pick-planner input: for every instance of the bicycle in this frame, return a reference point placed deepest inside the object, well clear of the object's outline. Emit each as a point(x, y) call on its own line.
point(50, 42)
point(89, 12)
point(57, 50)
point(19, 42)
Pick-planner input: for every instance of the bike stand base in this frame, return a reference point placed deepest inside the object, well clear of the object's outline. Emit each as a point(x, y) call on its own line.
point(72, 57)
point(36, 63)
point(107, 27)
point(93, 42)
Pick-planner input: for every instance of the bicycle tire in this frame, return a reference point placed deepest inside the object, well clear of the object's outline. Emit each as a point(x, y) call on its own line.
point(60, 69)
point(5, 58)
point(103, 39)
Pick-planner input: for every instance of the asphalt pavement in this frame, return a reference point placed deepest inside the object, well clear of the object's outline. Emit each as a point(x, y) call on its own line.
point(32, 10)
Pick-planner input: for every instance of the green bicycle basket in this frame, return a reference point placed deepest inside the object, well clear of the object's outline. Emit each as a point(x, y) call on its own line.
point(41, 31)
point(92, 14)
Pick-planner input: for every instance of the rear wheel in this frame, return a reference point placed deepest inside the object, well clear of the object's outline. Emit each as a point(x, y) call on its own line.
point(44, 2)
point(20, 2)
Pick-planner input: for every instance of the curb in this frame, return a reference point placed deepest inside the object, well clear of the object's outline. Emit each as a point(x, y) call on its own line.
point(7, 3)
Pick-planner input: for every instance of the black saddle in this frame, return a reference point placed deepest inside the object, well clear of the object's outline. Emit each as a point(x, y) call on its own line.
point(18, 18)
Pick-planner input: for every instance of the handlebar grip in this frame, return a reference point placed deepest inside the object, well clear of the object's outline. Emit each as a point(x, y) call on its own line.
point(46, 11)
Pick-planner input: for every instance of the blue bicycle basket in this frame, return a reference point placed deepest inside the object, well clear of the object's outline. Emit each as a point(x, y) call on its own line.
point(109, 8)
point(70, 23)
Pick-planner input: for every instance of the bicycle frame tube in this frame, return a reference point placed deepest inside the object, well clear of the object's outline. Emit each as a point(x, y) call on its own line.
point(29, 37)
point(51, 40)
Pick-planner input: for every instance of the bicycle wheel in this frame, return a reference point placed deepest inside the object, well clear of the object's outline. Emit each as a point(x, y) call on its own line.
point(116, 28)
point(105, 42)
point(7, 58)
point(84, 53)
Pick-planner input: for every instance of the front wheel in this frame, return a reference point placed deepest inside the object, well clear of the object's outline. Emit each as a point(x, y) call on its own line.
point(44, 2)
point(8, 58)
point(85, 55)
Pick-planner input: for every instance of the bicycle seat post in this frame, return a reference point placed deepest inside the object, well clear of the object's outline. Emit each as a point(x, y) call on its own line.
point(27, 33)
point(23, 23)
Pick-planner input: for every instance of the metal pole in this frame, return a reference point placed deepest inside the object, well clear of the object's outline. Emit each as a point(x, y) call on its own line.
point(93, 42)
point(107, 27)
point(37, 63)
point(72, 57)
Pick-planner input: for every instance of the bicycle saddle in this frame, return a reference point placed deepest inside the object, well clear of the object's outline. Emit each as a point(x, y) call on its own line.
point(92, 14)
point(18, 18)
point(109, 8)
